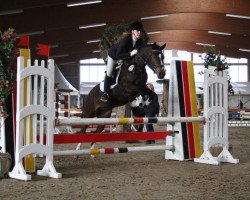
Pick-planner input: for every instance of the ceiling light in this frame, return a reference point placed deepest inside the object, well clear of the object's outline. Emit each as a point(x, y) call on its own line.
point(59, 56)
point(238, 16)
point(31, 33)
point(96, 51)
point(219, 33)
point(247, 50)
point(204, 44)
point(154, 32)
point(54, 46)
point(10, 12)
point(81, 3)
point(92, 25)
point(153, 17)
point(93, 41)
point(68, 63)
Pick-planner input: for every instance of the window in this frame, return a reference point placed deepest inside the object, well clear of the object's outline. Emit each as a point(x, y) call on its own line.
point(198, 75)
point(238, 69)
point(238, 73)
point(92, 70)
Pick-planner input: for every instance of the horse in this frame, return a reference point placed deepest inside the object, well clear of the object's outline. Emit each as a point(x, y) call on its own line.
point(131, 81)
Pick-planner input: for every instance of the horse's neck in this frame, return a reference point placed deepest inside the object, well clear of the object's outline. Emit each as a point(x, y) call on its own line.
point(132, 72)
point(139, 61)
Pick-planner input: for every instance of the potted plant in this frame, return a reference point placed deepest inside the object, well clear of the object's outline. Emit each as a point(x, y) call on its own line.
point(8, 55)
point(212, 58)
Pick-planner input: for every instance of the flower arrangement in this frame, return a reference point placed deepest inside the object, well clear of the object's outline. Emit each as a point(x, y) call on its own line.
point(214, 59)
point(8, 55)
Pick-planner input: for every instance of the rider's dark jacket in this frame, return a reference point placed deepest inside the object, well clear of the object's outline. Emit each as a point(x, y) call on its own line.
point(121, 50)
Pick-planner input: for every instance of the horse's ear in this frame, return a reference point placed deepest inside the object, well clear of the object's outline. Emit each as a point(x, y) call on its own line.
point(163, 46)
point(154, 44)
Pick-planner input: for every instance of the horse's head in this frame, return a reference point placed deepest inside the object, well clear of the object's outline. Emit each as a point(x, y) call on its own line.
point(153, 57)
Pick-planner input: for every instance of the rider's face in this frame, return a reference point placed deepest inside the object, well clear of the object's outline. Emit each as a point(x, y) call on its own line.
point(136, 33)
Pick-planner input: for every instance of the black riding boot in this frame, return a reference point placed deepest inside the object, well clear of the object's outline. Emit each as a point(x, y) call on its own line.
point(107, 83)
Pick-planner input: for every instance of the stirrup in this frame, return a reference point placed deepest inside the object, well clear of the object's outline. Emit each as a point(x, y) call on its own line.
point(104, 97)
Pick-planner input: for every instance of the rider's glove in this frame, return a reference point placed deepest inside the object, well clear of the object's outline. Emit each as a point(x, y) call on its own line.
point(132, 53)
point(147, 102)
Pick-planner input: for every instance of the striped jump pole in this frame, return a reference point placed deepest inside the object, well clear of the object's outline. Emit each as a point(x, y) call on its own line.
point(145, 120)
point(108, 137)
point(96, 151)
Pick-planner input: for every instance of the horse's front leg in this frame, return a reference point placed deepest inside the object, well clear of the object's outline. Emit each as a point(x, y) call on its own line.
point(82, 131)
point(100, 114)
point(99, 129)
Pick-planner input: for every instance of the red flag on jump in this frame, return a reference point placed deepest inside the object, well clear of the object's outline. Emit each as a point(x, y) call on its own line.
point(44, 50)
point(24, 41)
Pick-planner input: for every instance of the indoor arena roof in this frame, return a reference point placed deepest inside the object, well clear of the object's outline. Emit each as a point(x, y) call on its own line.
point(182, 24)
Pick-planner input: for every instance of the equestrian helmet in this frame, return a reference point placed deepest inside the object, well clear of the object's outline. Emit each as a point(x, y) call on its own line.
point(136, 26)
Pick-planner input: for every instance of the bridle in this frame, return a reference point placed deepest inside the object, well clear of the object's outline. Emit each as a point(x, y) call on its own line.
point(150, 59)
point(155, 65)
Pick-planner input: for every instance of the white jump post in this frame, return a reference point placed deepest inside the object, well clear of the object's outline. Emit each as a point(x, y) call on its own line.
point(2, 135)
point(216, 114)
point(39, 79)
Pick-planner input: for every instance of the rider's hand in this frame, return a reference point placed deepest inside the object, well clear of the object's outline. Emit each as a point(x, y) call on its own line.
point(132, 53)
point(147, 102)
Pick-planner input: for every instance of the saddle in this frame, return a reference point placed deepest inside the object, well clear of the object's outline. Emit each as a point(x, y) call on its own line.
point(114, 82)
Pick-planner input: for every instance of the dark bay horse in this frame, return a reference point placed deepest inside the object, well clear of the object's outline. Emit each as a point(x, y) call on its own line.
point(132, 80)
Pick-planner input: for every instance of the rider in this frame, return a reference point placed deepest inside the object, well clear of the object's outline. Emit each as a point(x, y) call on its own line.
point(126, 48)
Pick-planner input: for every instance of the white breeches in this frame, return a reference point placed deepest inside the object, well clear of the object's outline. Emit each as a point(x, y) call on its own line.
point(110, 66)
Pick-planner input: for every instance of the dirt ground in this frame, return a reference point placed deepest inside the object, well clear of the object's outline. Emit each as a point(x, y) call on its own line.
point(139, 176)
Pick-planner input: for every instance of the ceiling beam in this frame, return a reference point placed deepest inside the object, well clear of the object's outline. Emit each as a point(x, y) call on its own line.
point(192, 47)
point(202, 37)
point(240, 7)
point(188, 22)
point(60, 16)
